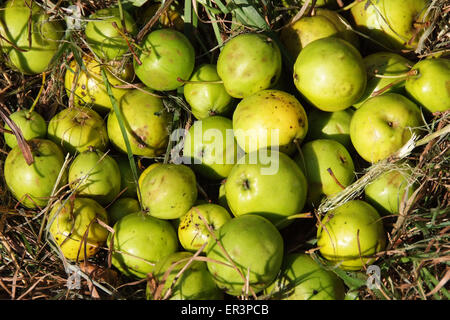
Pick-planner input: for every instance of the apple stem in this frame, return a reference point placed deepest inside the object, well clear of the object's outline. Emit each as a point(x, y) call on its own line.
point(199, 82)
point(37, 97)
point(351, 5)
point(410, 73)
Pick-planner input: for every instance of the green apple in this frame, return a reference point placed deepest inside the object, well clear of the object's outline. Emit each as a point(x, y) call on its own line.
point(88, 86)
point(389, 190)
point(96, 175)
point(31, 124)
point(382, 125)
point(391, 65)
point(270, 118)
point(328, 168)
point(194, 283)
point(211, 147)
point(170, 18)
point(271, 185)
point(29, 37)
point(391, 22)
point(255, 248)
point(330, 74)
point(33, 184)
point(207, 99)
point(431, 86)
point(222, 198)
point(78, 129)
point(122, 207)
point(302, 278)
point(128, 182)
point(351, 234)
point(248, 63)
point(167, 56)
point(192, 231)
point(106, 40)
point(169, 191)
point(139, 241)
point(74, 226)
point(146, 121)
point(330, 125)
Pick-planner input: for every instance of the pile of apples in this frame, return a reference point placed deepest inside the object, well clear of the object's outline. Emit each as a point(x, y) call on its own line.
point(276, 141)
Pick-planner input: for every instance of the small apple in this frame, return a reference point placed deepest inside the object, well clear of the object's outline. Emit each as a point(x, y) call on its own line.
point(270, 185)
point(248, 63)
point(73, 224)
point(382, 125)
point(269, 118)
point(328, 168)
point(104, 38)
point(211, 147)
point(254, 246)
point(168, 191)
point(389, 190)
point(170, 18)
point(330, 74)
point(388, 64)
point(126, 177)
point(95, 175)
point(31, 124)
point(302, 278)
point(33, 184)
point(351, 234)
point(139, 241)
point(431, 86)
point(78, 129)
point(194, 283)
point(192, 231)
point(146, 121)
point(207, 99)
point(122, 207)
point(330, 125)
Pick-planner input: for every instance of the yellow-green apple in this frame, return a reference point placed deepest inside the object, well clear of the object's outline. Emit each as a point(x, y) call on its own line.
point(122, 207)
point(127, 179)
point(431, 86)
point(254, 246)
point(207, 99)
point(196, 225)
point(382, 125)
point(270, 119)
point(351, 234)
point(31, 124)
point(330, 74)
point(248, 63)
point(139, 241)
point(168, 191)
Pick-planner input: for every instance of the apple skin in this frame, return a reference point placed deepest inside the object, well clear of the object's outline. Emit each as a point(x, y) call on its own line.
point(249, 63)
point(78, 129)
point(302, 278)
point(268, 112)
point(32, 125)
point(249, 191)
point(45, 36)
point(345, 222)
point(387, 192)
point(103, 182)
point(69, 224)
point(330, 125)
point(430, 87)
point(195, 283)
point(169, 191)
point(317, 157)
point(211, 147)
point(330, 74)
point(126, 177)
point(385, 64)
point(192, 231)
point(170, 18)
point(122, 207)
point(103, 38)
point(167, 55)
point(146, 121)
point(207, 99)
point(90, 89)
point(381, 126)
point(140, 241)
point(38, 179)
point(253, 244)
